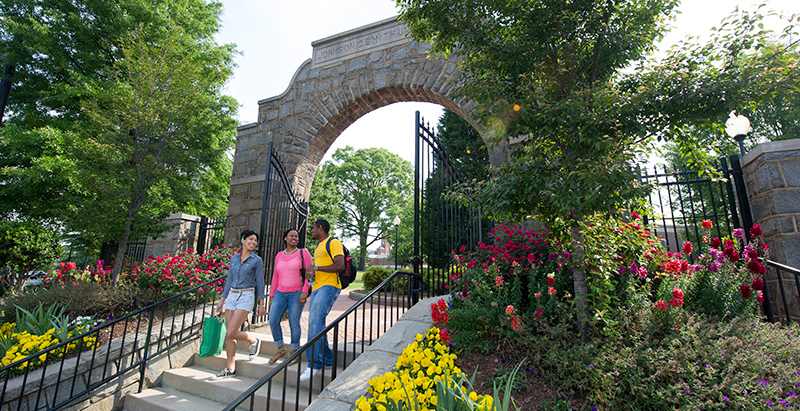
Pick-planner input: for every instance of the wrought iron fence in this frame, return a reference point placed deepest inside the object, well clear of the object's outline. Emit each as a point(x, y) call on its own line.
point(121, 348)
point(684, 198)
point(210, 234)
point(134, 251)
point(441, 225)
point(785, 286)
point(350, 334)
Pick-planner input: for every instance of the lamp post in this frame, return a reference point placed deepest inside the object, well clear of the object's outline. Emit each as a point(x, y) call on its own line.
point(738, 127)
point(396, 223)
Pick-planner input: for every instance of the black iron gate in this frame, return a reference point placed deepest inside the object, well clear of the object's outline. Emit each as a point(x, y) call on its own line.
point(441, 226)
point(280, 211)
point(210, 234)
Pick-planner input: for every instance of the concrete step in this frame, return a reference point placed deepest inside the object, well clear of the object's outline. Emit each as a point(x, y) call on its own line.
point(160, 398)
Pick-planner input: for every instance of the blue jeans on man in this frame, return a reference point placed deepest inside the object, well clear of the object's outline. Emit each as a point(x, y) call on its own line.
point(320, 303)
point(281, 302)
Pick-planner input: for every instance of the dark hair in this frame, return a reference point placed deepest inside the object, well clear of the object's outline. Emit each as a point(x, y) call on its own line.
point(248, 233)
point(287, 233)
point(324, 225)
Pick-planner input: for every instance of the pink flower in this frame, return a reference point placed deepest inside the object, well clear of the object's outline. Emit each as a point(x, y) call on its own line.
point(515, 323)
point(707, 224)
point(635, 215)
point(677, 293)
point(510, 310)
point(687, 248)
point(662, 305)
point(676, 302)
point(760, 296)
point(738, 233)
point(551, 291)
point(538, 295)
point(498, 281)
point(755, 231)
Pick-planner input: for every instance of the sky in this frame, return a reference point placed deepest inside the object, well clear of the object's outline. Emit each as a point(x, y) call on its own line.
point(274, 38)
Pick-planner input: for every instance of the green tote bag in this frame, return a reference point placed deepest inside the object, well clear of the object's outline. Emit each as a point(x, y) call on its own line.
point(213, 337)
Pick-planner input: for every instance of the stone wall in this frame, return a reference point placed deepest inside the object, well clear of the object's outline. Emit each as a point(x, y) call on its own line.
point(772, 175)
point(182, 237)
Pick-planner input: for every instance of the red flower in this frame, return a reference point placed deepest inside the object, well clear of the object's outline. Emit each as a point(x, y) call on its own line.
point(662, 305)
point(677, 293)
point(746, 291)
point(760, 296)
point(758, 284)
point(551, 290)
point(515, 323)
point(676, 302)
point(635, 215)
point(498, 281)
point(755, 231)
point(732, 255)
point(551, 281)
point(687, 248)
point(444, 336)
point(756, 267)
point(510, 310)
point(716, 243)
point(707, 224)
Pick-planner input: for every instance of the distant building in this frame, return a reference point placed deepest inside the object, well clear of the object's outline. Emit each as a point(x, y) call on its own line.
point(381, 256)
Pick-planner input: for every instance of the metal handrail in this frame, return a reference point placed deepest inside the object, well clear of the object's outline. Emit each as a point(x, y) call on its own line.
point(780, 268)
point(126, 360)
point(382, 289)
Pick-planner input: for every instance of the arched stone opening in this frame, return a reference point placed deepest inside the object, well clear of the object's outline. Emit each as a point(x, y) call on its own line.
point(349, 75)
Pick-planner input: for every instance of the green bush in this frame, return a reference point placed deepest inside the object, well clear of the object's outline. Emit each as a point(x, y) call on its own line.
point(374, 276)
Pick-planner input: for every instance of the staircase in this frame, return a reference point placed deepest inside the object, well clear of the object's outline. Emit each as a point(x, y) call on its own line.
point(191, 387)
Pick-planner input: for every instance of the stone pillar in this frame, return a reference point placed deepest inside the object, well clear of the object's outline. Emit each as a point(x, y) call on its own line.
point(182, 237)
point(772, 175)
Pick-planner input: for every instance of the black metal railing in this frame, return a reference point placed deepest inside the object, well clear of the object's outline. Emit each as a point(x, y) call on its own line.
point(210, 234)
point(118, 348)
point(784, 281)
point(349, 335)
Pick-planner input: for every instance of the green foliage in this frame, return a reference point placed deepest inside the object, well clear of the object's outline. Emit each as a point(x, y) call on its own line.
point(25, 246)
point(464, 146)
point(361, 191)
point(509, 379)
point(374, 276)
point(39, 320)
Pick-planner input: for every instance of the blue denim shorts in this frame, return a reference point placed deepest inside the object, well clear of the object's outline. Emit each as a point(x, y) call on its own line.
point(240, 300)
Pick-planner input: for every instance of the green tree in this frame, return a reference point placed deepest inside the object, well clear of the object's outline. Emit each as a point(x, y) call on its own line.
point(25, 246)
point(464, 146)
point(156, 128)
point(137, 89)
point(371, 185)
point(552, 71)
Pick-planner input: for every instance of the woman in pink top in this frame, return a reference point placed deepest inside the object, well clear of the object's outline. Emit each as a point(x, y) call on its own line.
point(288, 291)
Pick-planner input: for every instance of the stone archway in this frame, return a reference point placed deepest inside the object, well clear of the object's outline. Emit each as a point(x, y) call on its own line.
point(349, 75)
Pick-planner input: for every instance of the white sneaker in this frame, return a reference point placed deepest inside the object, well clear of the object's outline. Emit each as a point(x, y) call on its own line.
point(254, 348)
point(308, 374)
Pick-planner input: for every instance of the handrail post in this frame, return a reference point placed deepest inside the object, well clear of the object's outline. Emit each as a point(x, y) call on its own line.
point(145, 349)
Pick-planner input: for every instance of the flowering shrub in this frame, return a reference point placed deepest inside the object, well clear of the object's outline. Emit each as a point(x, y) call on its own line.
point(172, 274)
point(69, 274)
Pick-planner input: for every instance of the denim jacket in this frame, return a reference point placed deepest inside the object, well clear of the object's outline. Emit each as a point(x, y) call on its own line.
point(247, 274)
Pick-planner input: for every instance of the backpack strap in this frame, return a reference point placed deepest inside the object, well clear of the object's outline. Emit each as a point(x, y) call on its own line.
point(328, 249)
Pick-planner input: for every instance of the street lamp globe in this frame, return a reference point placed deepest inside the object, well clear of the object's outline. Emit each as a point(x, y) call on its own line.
point(738, 127)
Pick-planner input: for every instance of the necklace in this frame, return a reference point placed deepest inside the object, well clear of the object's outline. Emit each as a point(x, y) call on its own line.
point(290, 252)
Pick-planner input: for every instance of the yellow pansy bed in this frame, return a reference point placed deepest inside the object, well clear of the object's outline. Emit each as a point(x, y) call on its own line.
point(424, 379)
point(16, 346)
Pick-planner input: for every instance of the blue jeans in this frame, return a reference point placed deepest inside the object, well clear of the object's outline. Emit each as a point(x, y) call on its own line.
point(319, 305)
point(280, 303)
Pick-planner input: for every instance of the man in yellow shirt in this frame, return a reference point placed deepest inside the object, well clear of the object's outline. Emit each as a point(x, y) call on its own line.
point(324, 292)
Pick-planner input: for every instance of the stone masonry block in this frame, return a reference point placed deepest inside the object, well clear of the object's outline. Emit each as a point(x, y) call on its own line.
point(768, 177)
point(759, 208)
point(785, 201)
point(791, 172)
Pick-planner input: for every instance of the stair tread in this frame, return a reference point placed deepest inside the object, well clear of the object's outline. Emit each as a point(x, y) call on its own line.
point(167, 399)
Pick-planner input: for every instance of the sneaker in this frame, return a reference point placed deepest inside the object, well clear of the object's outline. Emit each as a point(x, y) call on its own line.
point(308, 374)
point(254, 347)
point(224, 374)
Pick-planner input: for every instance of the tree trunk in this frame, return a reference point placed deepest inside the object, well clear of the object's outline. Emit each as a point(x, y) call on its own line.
point(362, 258)
point(579, 278)
point(122, 245)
